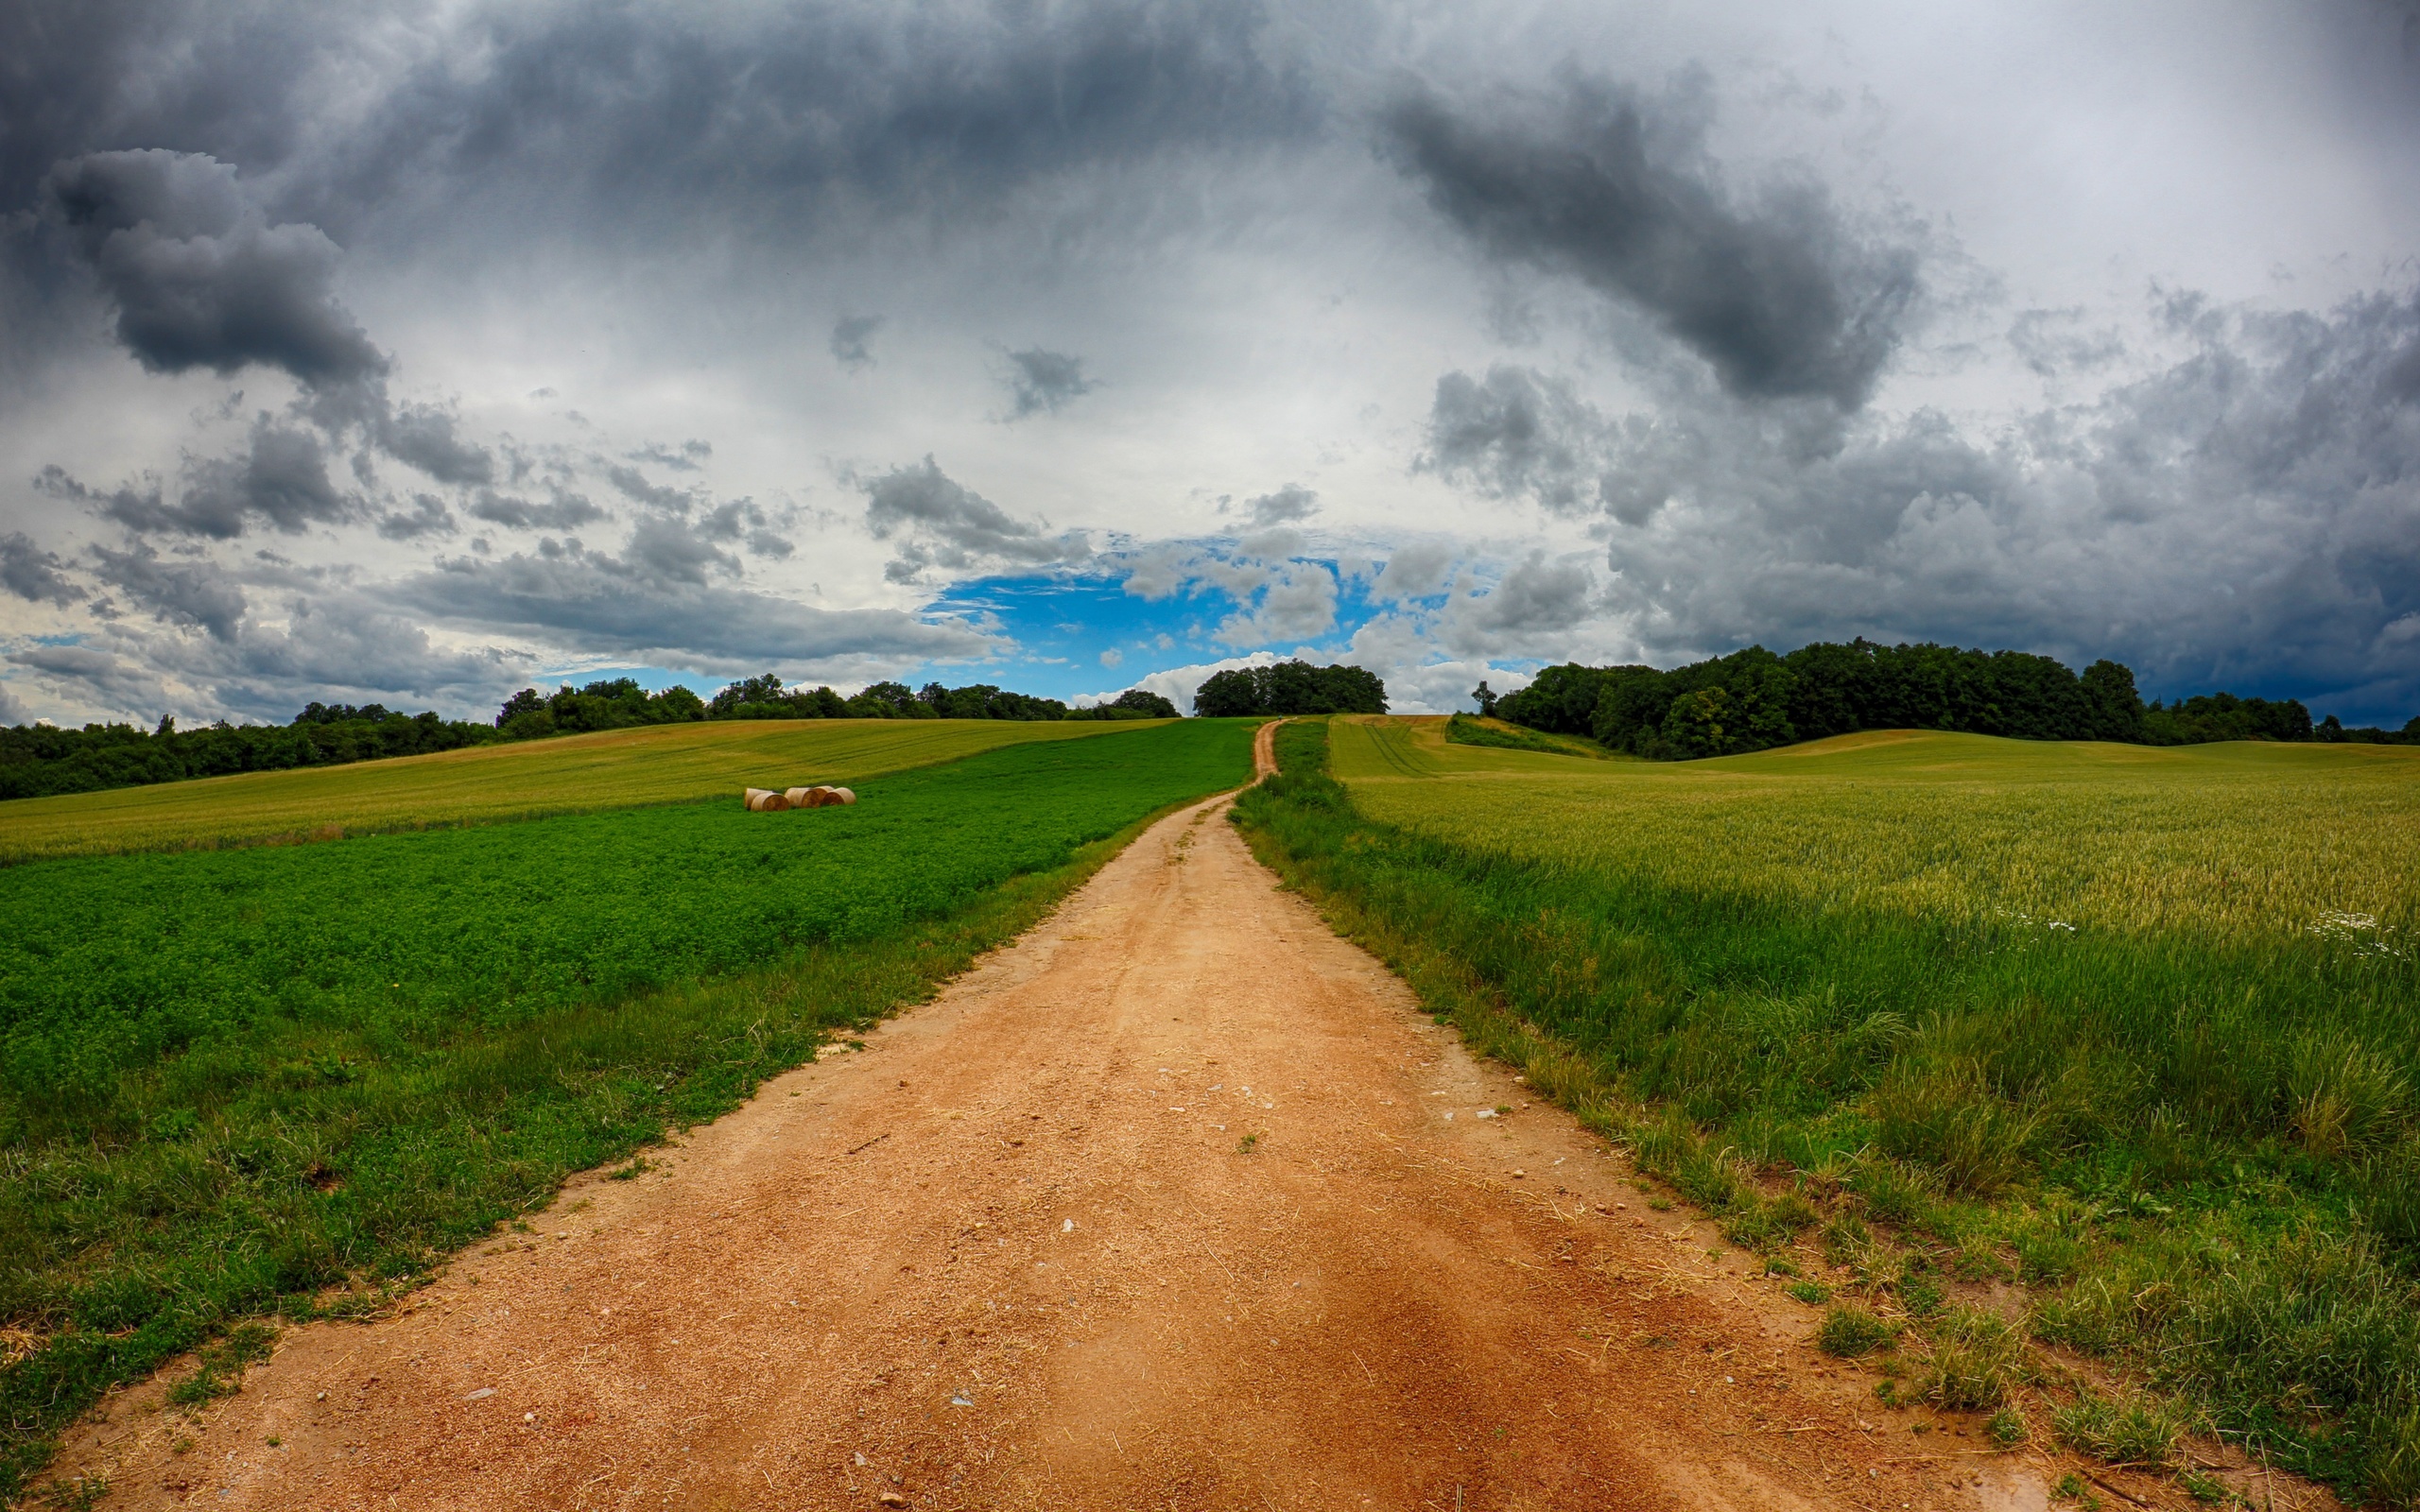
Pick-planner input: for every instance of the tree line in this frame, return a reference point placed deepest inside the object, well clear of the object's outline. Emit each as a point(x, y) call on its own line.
point(1755, 700)
point(1290, 688)
point(40, 759)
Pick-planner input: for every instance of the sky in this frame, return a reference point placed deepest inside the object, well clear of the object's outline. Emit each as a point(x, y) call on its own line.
point(418, 353)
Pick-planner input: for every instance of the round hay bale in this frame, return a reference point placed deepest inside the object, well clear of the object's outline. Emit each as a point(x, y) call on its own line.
point(765, 801)
point(801, 798)
point(842, 795)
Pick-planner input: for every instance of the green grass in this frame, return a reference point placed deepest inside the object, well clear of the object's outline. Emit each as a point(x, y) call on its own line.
point(1462, 730)
point(574, 774)
point(281, 1080)
point(2186, 1122)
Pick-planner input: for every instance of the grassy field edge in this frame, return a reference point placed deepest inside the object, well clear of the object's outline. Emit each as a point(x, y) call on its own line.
point(715, 1043)
point(2288, 1333)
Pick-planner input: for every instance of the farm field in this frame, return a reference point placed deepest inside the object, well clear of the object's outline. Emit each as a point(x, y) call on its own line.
point(2132, 1028)
point(232, 1078)
point(2239, 839)
point(571, 774)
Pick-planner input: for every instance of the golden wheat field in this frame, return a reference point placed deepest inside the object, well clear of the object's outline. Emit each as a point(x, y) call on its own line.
point(2236, 838)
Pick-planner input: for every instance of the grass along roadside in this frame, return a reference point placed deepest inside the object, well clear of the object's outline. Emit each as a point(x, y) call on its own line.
point(2193, 1157)
point(486, 784)
point(299, 1164)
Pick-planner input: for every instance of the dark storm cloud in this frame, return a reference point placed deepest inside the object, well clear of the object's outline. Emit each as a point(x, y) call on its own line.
point(851, 339)
point(2249, 515)
point(940, 522)
point(1041, 382)
point(1778, 295)
point(32, 574)
point(199, 275)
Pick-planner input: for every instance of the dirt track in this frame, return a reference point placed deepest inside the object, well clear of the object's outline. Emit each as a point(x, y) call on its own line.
point(1016, 1255)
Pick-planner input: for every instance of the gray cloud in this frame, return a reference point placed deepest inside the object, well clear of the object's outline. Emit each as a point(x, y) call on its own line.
point(1287, 505)
point(32, 574)
point(692, 455)
point(1517, 433)
point(429, 517)
point(97, 677)
point(1533, 604)
point(564, 511)
point(12, 711)
point(633, 484)
point(200, 277)
point(739, 519)
point(281, 476)
point(425, 436)
point(2249, 515)
point(851, 335)
point(641, 603)
point(940, 522)
point(1778, 295)
point(1043, 381)
point(189, 592)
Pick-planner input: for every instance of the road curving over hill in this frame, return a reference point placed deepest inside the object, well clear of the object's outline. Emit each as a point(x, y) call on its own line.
point(1179, 1202)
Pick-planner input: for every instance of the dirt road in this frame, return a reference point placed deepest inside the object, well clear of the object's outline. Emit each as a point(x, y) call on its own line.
point(1178, 1203)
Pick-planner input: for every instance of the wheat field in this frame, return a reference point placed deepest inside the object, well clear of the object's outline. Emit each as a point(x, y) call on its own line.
point(2234, 839)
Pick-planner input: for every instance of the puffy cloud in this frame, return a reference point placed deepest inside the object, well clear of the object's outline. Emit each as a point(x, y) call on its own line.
point(429, 517)
point(1418, 569)
point(281, 475)
point(1780, 295)
point(12, 711)
point(1289, 602)
point(32, 574)
point(1043, 381)
point(1286, 505)
point(1530, 607)
point(1518, 433)
point(200, 277)
point(192, 592)
point(940, 522)
point(426, 437)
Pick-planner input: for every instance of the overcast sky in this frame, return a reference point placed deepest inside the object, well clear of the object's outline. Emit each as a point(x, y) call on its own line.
point(416, 352)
